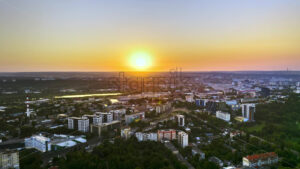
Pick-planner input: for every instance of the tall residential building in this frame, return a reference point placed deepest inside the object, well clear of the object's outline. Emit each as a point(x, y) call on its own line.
point(97, 120)
point(73, 122)
point(223, 115)
point(83, 124)
point(106, 117)
point(38, 142)
point(94, 119)
point(259, 160)
point(180, 120)
point(163, 107)
point(80, 124)
point(117, 114)
point(248, 111)
point(183, 139)
point(166, 135)
point(158, 109)
point(9, 159)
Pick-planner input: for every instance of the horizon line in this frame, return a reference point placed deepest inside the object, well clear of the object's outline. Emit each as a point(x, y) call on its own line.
point(151, 71)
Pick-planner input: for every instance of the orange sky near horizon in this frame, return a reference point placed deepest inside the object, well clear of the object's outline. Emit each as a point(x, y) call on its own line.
point(57, 35)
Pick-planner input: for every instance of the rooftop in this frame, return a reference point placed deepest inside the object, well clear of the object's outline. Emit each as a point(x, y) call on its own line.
point(263, 156)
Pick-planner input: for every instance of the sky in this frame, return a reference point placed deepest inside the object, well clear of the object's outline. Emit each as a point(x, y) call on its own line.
point(101, 35)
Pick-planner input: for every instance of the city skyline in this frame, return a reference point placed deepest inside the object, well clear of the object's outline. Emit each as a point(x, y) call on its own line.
point(195, 35)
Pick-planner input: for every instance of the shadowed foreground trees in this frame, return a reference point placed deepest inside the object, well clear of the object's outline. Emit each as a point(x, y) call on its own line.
point(129, 154)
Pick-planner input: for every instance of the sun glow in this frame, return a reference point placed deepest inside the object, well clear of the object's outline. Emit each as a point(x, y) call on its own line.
point(140, 60)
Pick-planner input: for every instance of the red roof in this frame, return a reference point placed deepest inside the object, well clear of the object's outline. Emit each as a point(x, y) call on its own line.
point(263, 156)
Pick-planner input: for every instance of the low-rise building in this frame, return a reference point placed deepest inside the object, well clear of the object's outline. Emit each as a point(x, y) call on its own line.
point(146, 136)
point(166, 134)
point(38, 142)
point(112, 126)
point(53, 142)
point(196, 151)
point(216, 160)
point(223, 115)
point(259, 160)
point(137, 116)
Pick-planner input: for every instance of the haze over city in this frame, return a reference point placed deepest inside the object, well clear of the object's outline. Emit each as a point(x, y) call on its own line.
point(141, 35)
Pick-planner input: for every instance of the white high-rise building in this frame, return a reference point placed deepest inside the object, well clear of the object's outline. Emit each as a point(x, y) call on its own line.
point(106, 117)
point(180, 120)
point(38, 142)
point(223, 115)
point(248, 111)
point(183, 139)
point(80, 124)
point(83, 124)
point(97, 120)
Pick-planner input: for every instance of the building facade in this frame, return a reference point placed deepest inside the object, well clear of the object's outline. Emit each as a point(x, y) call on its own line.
point(183, 139)
point(189, 98)
point(223, 116)
point(112, 126)
point(106, 117)
point(126, 133)
point(137, 116)
point(201, 102)
point(9, 159)
point(146, 136)
point(259, 160)
point(248, 111)
point(83, 124)
point(166, 135)
point(38, 142)
point(180, 120)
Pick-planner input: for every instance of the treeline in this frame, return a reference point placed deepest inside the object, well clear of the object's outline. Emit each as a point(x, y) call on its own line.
point(281, 122)
point(280, 125)
point(129, 154)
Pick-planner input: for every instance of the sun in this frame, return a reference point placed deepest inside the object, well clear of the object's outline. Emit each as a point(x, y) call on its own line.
point(140, 60)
